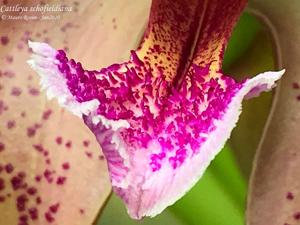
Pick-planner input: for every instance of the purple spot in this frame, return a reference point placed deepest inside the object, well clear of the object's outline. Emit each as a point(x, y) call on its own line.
point(31, 190)
point(38, 200)
point(48, 161)
point(9, 59)
point(31, 131)
point(11, 124)
point(23, 114)
point(15, 91)
point(38, 178)
point(16, 182)
point(66, 166)
point(33, 212)
point(68, 144)
point(49, 217)
point(297, 216)
point(89, 154)
point(34, 91)
point(61, 180)
point(23, 218)
point(295, 85)
point(47, 114)
point(290, 196)
point(48, 175)
point(4, 40)
point(9, 168)
point(54, 208)
point(86, 143)
point(21, 202)
point(39, 148)
point(58, 140)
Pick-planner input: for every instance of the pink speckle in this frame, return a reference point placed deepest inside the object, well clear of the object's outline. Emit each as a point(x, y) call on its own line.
point(23, 218)
point(15, 91)
point(23, 114)
point(38, 178)
point(61, 180)
point(17, 182)
point(68, 144)
point(66, 166)
point(86, 143)
point(297, 216)
point(81, 211)
point(89, 154)
point(48, 175)
point(9, 168)
point(49, 217)
point(11, 124)
point(54, 208)
point(4, 40)
point(2, 147)
point(47, 114)
point(48, 161)
point(39, 148)
point(296, 85)
point(38, 200)
point(31, 190)
point(21, 202)
point(31, 131)
point(290, 196)
point(33, 212)
point(58, 140)
point(34, 91)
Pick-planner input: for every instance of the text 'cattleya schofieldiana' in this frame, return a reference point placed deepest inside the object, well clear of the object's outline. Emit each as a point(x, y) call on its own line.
point(161, 117)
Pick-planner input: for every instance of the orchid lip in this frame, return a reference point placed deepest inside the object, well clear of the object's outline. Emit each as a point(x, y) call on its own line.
point(158, 119)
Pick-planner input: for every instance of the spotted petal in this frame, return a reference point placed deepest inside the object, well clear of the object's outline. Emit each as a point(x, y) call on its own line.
point(163, 115)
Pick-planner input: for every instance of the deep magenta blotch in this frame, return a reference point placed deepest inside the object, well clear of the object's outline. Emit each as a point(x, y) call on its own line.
point(181, 108)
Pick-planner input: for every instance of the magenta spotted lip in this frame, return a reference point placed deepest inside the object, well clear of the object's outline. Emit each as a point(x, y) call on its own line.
point(158, 135)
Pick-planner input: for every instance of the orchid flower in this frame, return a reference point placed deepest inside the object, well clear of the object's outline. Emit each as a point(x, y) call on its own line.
point(48, 171)
point(163, 115)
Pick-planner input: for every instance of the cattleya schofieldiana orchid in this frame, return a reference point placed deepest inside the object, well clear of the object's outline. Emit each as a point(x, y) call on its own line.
point(162, 116)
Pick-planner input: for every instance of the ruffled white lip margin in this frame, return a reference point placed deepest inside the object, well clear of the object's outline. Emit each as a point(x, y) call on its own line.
point(44, 62)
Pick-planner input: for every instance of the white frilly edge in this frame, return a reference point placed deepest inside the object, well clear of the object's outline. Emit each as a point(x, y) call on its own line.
point(44, 62)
